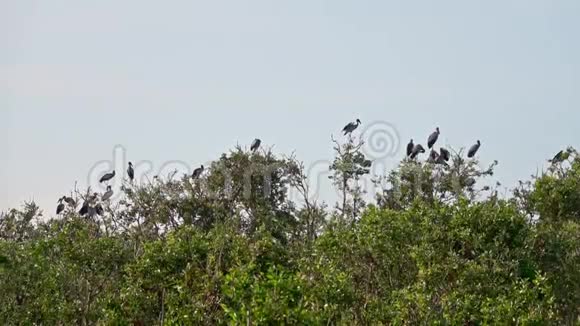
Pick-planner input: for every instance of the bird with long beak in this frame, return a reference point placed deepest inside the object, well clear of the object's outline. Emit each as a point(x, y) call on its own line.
point(350, 127)
point(473, 150)
point(433, 138)
point(107, 177)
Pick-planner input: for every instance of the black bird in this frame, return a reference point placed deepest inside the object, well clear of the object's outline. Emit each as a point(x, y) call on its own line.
point(558, 157)
point(84, 209)
point(131, 172)
point(92, 211)
point(108, 194)
point(69, 201)
point(99, 209)
point(473, 150)
point(255, 145)
point(351, 127)
point(60, 206)
point(107, 177)
point(197, 172)
point(433, 138)
point(410, 146)
point(444, 154)
point(416, 150)
point(441, 160)
point(433, 156)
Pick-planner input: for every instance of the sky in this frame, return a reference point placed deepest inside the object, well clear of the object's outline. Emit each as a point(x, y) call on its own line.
point(176, 83)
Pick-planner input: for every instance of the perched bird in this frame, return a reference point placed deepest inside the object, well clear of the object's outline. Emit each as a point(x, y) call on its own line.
point(92, 211)
point(416, 150)
point(108, 194)
point(444, 154)
point(557, 158)
point(60, 206)
point(441, 160)
point(351, 127)
point(69, 201)
point(255, 145)
point(473, 150)
point(131, 172)
point(99, 209)
point(410, 146)
point(197, 172)
point(84, 209)
point(433, 156)
point(433, 138)
point(107, 177)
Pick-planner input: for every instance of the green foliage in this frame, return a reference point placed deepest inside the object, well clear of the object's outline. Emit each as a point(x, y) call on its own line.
point(232, 248)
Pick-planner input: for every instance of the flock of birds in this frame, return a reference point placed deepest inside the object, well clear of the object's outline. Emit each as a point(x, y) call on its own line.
point(413, 150)
point(443, 156)
point(92, 204)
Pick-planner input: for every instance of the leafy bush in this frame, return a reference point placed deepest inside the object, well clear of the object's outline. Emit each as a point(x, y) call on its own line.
point(433, 249)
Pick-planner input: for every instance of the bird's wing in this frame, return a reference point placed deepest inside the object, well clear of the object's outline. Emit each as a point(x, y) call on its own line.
point(472, 150)
point(432, 138)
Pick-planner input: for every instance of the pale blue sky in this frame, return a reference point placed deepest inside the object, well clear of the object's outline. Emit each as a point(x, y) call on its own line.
point(186, 80)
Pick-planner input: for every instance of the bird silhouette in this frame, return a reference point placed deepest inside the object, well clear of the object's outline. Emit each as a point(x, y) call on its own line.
point(69, 201)
point(433, 138)
point(417, 150)
point(349, 128)
point(60, 206)
point(107, 177)
point(197, 172)
point(473, 150)
point(131, 172)
point(557, 158)
point(255, 145)
point(444, 154)
point(433, 156)
point(410, 147)
point(108, 194)
point(99, 209)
